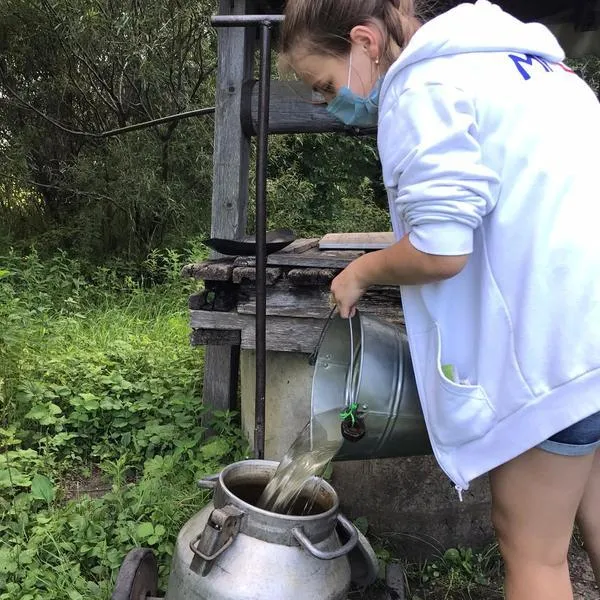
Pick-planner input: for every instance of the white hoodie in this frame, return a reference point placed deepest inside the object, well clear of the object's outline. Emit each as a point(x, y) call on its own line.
point(490, 146)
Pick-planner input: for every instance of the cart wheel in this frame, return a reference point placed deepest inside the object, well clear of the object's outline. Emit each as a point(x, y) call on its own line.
point(138, 576)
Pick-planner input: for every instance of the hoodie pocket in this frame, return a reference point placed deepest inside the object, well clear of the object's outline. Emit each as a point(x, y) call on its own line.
point(456, 413)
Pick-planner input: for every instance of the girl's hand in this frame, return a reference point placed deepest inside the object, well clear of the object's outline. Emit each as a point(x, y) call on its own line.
point(347, 289)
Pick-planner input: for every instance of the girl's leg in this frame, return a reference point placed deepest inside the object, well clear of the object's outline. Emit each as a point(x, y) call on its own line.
point(588, 517)
point(534, 501)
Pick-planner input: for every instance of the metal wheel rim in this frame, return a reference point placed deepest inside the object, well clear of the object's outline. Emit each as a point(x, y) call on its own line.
point(138, 576)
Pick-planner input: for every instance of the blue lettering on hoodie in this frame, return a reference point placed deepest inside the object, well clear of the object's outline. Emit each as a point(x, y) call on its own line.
point(528, 59)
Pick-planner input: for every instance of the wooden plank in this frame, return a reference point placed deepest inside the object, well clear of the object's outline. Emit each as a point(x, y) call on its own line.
point(296, 247)
point(249, 274)
point(284, 334)
point(285, 300)
point(210, 270)
point(231, 145)
point(293, 108)
point(235, 51)
point(204, 319)
point(300, 245)
point(322, 259)
point(287, 334)
point(357, 241)
point(221, 375)
point(311, 277)
point(216, 337)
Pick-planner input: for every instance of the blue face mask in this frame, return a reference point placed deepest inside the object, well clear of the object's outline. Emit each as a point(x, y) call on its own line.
point(352, 109)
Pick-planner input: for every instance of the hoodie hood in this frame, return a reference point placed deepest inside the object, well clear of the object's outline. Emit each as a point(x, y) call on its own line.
point(478, 27)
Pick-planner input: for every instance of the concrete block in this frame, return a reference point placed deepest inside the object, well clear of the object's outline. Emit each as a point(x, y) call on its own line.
point(411, 502)
point(287, 398)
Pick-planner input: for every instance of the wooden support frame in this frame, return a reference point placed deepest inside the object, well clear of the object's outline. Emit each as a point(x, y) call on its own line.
point(230, 183)
point(293, 108)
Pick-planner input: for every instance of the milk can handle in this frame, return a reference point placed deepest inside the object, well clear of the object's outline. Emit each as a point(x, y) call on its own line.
point(209, 482)
point(329, 554)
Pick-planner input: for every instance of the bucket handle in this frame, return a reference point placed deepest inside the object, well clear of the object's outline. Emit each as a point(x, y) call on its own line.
point(312, 359)
point(329, 554)
point(349, 399)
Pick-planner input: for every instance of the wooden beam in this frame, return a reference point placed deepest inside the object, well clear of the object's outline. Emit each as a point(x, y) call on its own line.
point(235, 51)
point(284, 334)
point(357, 241)
point(285, 300)
point(231, 146)
point(210, 270)
point(249, 274)
point(323, 259)
point(217, 337)
point(221, 373)
point(293, 109)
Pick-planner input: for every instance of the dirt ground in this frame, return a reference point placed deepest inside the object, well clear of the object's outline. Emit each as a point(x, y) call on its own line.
point(581, 574)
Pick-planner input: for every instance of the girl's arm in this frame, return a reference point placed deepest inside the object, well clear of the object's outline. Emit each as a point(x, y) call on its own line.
point(399, 264)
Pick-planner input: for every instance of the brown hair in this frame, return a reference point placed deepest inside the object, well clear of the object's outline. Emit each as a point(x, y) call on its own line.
point(323, 26)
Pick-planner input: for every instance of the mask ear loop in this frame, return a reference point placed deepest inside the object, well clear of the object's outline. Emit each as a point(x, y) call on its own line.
point(349, 69)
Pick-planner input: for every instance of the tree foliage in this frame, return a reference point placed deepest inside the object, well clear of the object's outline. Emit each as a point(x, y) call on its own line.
point(72, 69)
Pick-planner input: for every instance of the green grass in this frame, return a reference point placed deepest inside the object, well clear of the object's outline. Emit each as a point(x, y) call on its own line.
point(98, 385)
point(457, 574)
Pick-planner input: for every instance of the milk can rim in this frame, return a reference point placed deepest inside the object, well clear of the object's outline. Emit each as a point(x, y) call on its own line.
point(291, 518)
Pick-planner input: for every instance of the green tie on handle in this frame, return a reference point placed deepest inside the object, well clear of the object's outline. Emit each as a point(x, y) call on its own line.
point(350, 413)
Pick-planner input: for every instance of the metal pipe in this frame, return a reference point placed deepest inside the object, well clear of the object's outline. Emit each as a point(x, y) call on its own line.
point(264, 90)
point(244, 20)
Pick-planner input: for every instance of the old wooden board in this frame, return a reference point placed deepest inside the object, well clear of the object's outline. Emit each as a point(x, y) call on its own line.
point(235, 50)
point(294, 108)
point(300, 245)
point(231, 145)
point(287, 335)
point(216, 337)
point(284, 334)
point(221, 374)
point(285, 300)
point(357, 241)
point(249, 273)
point(321, 259)
point(210, 270)
point(209, 319)
point(311, 276)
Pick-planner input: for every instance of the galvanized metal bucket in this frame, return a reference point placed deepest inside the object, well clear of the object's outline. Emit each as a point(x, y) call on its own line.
point(365, 362)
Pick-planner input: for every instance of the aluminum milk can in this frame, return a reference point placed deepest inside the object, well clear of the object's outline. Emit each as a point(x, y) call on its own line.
point(232, 550)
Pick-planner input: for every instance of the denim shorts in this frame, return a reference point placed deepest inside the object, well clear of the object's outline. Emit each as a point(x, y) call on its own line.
point(577, 440)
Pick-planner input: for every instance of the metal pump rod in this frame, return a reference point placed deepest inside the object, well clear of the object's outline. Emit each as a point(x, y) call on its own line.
point(264, 89)
point(265, 22)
